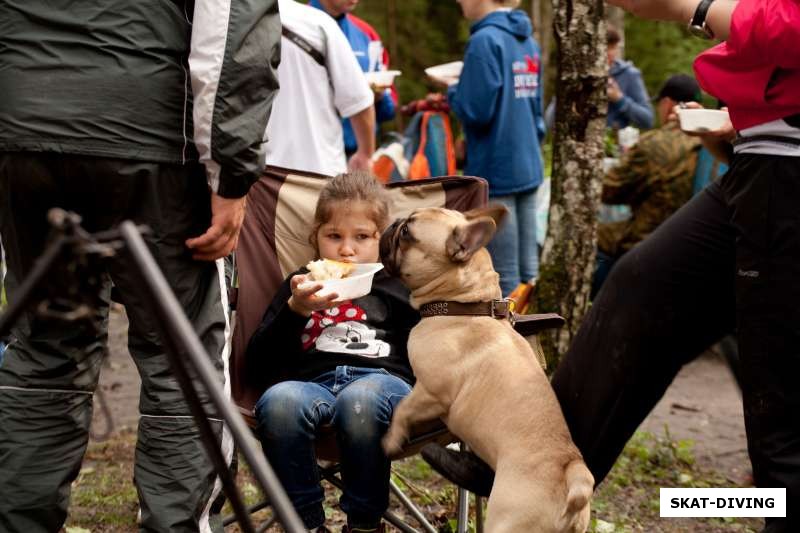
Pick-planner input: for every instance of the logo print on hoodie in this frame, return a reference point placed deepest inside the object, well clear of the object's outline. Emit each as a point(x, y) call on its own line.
point(526, 77)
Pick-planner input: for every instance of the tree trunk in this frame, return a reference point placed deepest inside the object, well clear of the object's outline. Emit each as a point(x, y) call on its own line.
point(542, 17)
point(569, 250)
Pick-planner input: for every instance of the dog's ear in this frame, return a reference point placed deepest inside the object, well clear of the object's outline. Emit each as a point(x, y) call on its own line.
point(496, 212)
point(470, 237)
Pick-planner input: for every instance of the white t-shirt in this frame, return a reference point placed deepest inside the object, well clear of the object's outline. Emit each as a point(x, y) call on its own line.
point(777, 128)
point(305, 128)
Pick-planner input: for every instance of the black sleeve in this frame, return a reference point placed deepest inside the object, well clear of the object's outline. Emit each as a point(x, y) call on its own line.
point(277, 339)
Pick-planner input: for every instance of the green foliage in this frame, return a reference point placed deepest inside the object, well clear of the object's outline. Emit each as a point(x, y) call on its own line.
point(420, 34)
point(660, 49)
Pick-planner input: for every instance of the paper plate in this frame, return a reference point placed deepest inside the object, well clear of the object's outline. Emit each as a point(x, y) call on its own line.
point(698, 120)
point(357, 284)
point(446, 73)
point(382, 78)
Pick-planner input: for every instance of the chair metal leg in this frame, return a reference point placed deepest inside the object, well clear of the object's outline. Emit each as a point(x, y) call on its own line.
point(397, 522)
point(478, 514)
point(413, 509)
point(263, 527)
point(462, 511)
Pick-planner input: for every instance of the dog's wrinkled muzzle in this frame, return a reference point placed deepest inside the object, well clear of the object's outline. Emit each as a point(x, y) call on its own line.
point(388, 247)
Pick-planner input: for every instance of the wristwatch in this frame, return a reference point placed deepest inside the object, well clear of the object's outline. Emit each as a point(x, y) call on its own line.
point(698, 26)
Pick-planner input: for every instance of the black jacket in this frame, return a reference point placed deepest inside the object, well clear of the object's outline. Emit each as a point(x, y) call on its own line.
point(289, 346)
point(116, 78)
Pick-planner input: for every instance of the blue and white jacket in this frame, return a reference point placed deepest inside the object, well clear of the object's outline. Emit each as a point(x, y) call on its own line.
point(498, 100)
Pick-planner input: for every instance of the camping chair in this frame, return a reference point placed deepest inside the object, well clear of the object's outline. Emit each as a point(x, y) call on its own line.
point(274, 241)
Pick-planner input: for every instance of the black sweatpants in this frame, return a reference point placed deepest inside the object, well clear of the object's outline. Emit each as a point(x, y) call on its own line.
point(730, 258)
point(50, 370)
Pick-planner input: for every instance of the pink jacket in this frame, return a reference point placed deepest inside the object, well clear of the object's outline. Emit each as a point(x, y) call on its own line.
point(756, 72)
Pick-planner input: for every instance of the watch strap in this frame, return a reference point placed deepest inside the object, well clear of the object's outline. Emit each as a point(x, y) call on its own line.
point(698, 22)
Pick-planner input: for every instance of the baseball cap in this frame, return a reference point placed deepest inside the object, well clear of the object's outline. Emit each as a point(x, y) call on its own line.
point(681, 88)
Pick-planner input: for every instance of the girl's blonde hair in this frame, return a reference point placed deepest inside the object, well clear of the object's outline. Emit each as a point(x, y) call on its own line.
point(358, 186)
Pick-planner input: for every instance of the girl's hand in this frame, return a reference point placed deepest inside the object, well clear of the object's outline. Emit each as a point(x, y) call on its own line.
point(304, 300)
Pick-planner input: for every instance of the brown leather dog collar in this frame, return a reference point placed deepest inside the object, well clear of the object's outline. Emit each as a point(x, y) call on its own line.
point(492, 308)
point(525, 325)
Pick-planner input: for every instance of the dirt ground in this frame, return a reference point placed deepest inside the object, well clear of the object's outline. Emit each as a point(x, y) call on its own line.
point(703, 405)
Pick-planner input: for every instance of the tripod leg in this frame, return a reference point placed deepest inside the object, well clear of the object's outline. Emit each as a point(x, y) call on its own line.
point(186, 351)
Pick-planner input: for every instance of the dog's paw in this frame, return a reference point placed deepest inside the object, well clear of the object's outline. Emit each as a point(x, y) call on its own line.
point(392, 445)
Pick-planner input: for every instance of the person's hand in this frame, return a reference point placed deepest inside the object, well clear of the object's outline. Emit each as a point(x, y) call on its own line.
point(672, 116)
point(725, 133)
point(444, 81)
point(613, 91)
point(304, 299)
point(673, 113)
point(227, 215)
point(675, 10)
point(378, 91)
point(360, 161)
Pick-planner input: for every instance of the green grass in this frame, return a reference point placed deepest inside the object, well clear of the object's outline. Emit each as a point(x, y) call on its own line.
point(103, 496)
point(104, 499)
point(628, 499)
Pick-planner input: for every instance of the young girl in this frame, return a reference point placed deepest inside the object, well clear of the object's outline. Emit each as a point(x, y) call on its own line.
point(342, 363)
point(498, 100)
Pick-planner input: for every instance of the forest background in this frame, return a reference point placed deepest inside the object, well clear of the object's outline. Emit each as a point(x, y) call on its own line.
point(422, 33)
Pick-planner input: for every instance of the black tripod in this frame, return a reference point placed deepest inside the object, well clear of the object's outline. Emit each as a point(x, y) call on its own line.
point(83, 252)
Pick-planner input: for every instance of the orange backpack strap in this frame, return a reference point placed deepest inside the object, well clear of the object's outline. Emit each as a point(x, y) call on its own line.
point(419, 165)
point(451, 151)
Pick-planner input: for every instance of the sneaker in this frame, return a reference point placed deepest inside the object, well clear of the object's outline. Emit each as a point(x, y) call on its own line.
point(465, 469)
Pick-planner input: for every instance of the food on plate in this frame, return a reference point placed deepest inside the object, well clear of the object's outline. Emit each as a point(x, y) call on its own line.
point(325, 269)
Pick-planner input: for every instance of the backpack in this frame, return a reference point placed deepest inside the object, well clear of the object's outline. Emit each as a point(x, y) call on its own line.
point(425, 150)
point(708, 169)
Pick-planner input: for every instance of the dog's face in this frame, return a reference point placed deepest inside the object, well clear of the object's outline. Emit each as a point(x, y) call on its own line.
point(433, 241)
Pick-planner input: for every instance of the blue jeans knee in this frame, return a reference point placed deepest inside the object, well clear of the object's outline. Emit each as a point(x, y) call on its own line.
point(363, 413)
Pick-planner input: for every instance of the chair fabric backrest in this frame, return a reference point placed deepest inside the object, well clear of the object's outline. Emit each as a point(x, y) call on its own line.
point(274, 242)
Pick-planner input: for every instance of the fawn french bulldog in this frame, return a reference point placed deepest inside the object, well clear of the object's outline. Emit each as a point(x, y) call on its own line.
point(481, 377)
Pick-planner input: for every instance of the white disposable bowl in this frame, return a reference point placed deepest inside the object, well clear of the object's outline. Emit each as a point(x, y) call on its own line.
point(446, 72)
point(357, 284)
point(382, 78)
point(698, 120)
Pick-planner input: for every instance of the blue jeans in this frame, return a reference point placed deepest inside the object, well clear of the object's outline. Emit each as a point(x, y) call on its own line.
point(515, 254)
point(358, 403)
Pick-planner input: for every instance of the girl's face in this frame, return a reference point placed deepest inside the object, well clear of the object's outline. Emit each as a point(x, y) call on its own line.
point(350, 235)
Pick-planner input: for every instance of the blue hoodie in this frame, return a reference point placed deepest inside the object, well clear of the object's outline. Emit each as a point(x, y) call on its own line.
point(498, 100)
point(634, 108)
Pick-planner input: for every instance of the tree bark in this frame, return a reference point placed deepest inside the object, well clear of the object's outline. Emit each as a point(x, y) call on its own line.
point(569, 250)
point(542, 17)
